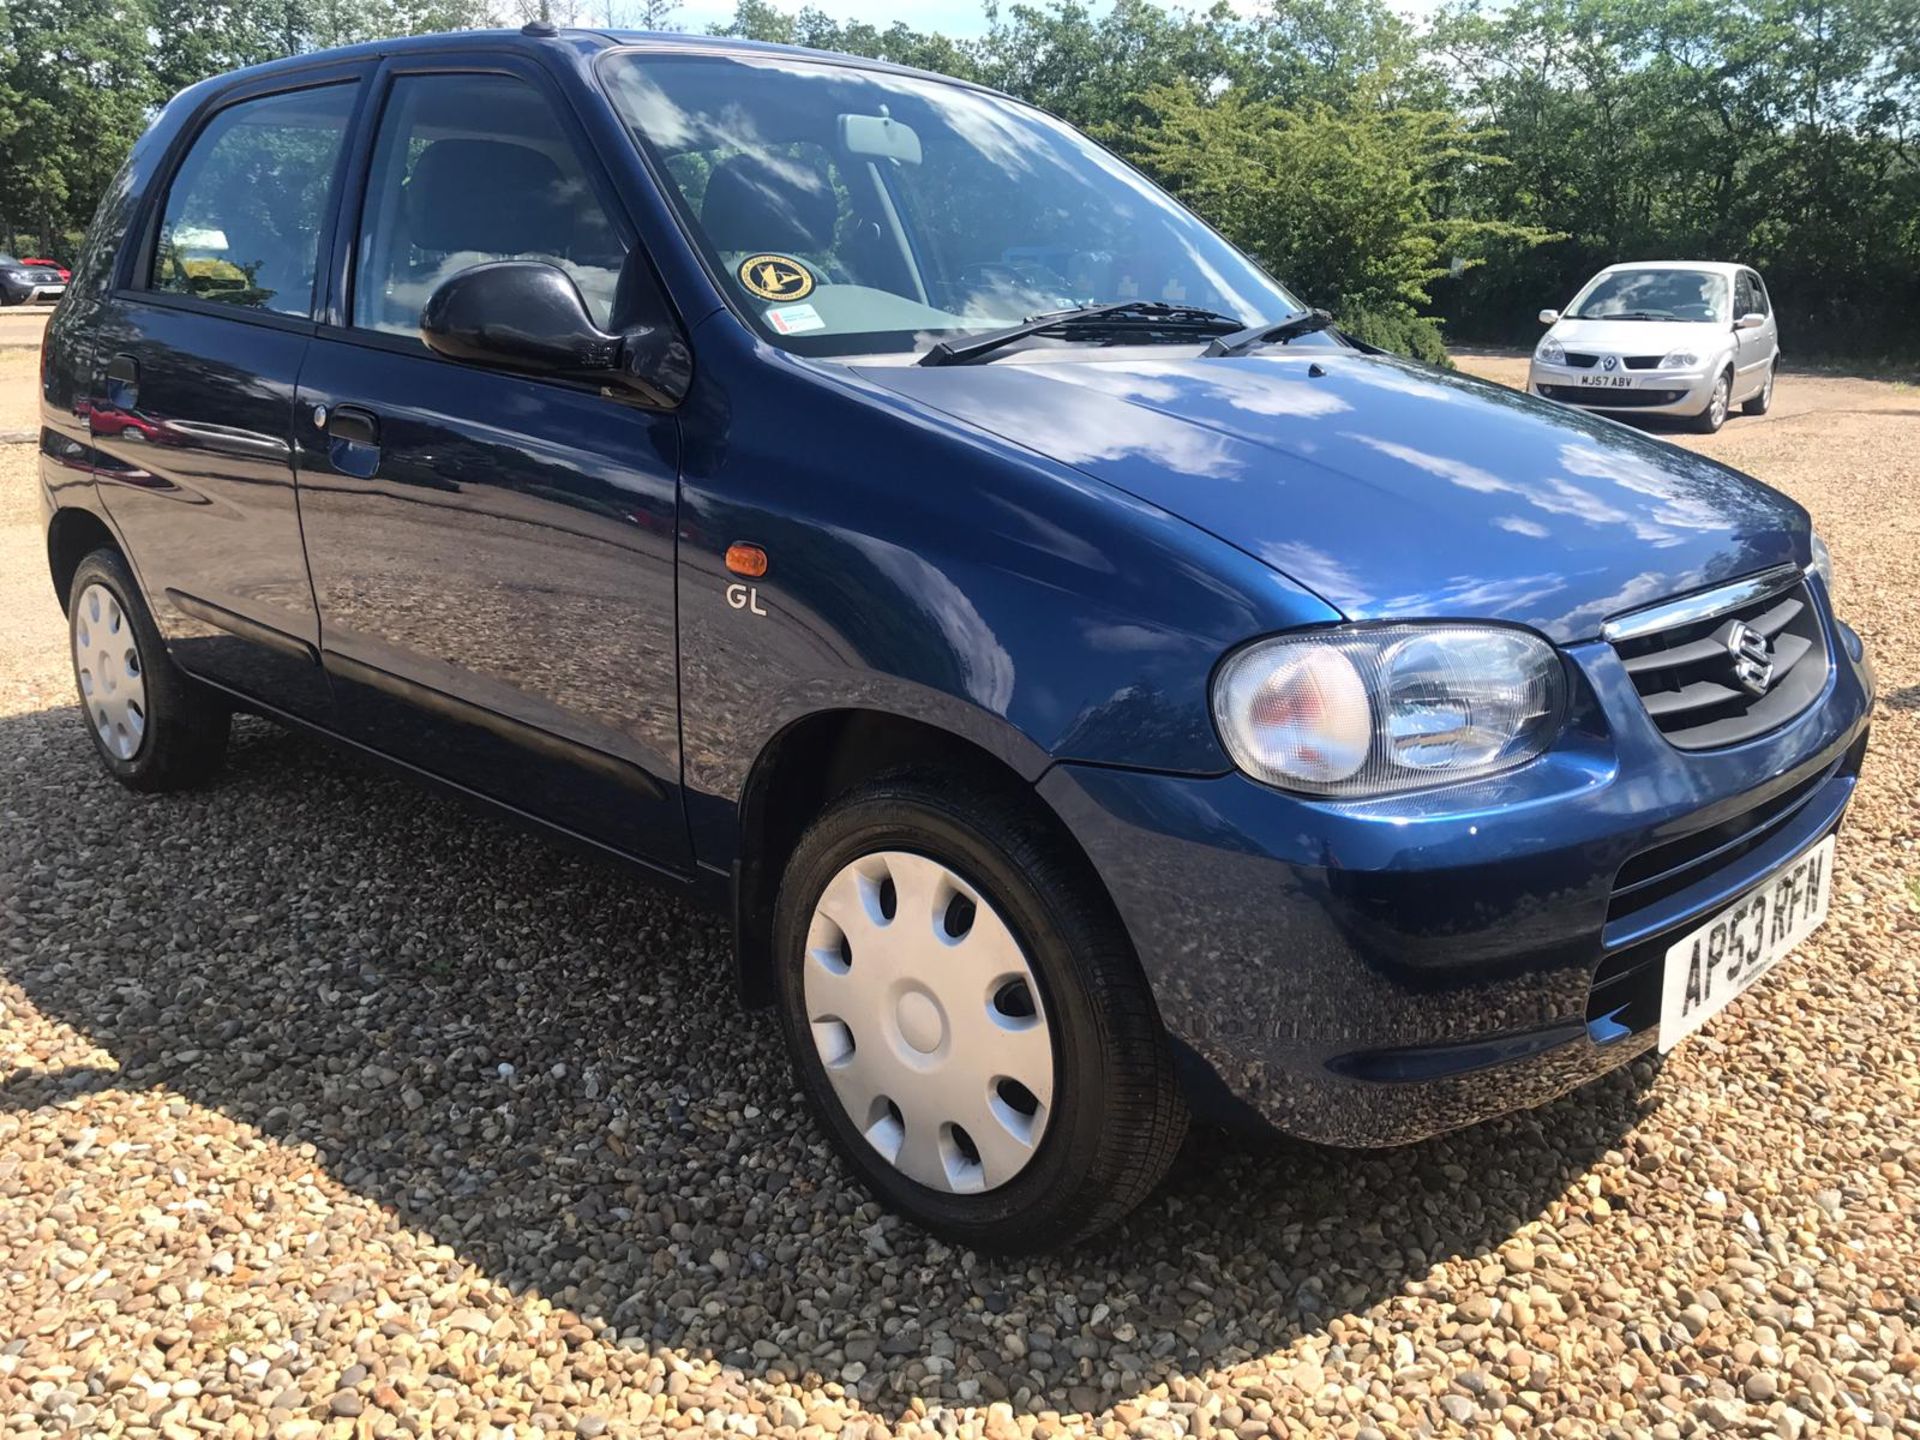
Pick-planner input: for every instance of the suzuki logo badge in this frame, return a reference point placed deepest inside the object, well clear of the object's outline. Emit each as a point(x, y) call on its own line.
point(1752, 656)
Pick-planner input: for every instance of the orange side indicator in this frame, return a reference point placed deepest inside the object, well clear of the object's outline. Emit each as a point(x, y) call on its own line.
point(748, 560)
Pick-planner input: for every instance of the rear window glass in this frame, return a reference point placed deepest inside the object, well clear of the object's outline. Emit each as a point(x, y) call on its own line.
point(243, 215)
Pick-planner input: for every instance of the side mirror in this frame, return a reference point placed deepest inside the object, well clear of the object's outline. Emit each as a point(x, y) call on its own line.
point(527, 317)
point(1549, 317)
point(1752, 320)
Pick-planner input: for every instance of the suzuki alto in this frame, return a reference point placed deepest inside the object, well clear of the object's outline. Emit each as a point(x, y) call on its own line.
point(1095, 686)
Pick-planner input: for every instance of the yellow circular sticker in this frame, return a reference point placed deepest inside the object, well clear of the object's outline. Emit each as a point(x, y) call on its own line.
point(775, 277)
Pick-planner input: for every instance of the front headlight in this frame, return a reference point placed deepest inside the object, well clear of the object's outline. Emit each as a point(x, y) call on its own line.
point(1368, 710)
point(1680, 360)
point(1823, 564)
point(1551, 352)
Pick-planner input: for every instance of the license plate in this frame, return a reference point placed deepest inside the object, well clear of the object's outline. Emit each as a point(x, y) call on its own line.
point(1607, 382)
point(1705, 971)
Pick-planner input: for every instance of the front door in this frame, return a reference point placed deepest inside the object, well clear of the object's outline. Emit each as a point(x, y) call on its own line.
point(191, 399)
point(1752, 349)
point(493, 555)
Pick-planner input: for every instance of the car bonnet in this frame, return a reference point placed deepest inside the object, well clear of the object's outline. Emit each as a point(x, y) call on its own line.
point(1392, 490)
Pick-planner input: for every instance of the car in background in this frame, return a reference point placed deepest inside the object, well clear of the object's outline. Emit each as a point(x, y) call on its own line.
point(33, 262)
point(1663, 337)
point(25, 281)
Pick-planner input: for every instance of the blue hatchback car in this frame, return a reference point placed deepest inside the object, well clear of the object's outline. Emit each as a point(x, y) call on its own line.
point(1096, 687)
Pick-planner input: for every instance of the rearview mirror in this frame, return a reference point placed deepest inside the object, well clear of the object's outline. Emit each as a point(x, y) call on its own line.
point(1752, 320)
point(880, 137)
point(1549, 317)
point(527, 317)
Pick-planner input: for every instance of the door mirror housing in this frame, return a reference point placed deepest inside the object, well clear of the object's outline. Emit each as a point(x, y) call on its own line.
point(1752, 320)
point(1549, 317)
point(527, 317)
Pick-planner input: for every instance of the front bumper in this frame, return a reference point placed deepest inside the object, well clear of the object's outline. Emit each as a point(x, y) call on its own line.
point(1374, 974)
point(1652, 392)
point(46, 294)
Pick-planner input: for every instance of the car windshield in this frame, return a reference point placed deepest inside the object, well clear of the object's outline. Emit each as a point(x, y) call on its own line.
point(1654, 295)
point(854, 211)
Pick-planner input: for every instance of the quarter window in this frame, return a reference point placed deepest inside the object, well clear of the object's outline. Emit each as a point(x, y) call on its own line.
point(243, 216)
point(469, 169)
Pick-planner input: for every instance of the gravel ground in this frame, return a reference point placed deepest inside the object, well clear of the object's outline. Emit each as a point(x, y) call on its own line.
point(328, 1109)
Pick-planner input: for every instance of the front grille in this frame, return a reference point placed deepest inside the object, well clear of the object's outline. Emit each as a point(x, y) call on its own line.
point(1579, 361)
point(1688, 678)
point(1642, 362)
point(1611, 399)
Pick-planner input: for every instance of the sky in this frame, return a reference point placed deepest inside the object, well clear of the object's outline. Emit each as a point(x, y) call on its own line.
point(959, 18)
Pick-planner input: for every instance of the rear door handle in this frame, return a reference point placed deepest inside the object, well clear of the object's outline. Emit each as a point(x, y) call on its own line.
point(123, 382)
point(353, 441)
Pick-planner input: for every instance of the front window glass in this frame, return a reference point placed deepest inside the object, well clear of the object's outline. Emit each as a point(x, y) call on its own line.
point(851, 210)
point(469, 169)
point(1654, 295)
point(243, 216)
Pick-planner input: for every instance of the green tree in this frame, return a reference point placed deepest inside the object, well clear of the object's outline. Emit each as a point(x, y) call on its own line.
point(1780, 135)
point(75, 88)
point(1342, 206)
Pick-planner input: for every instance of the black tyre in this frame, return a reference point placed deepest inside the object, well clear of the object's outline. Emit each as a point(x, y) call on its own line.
point(1763, 402)
point(1709, 420)
point(968, 1019)
point(152, 726)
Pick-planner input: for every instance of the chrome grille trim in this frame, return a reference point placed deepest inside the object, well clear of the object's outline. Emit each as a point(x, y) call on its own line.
point(1703, 606)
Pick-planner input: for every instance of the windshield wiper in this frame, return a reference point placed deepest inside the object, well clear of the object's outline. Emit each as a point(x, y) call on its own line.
point(1307, 322)
point(1120, 315)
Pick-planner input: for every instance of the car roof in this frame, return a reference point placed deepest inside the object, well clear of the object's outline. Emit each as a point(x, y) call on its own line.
point(1717, 267)
point(581, 39)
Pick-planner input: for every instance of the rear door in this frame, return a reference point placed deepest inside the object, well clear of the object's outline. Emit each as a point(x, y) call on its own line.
point(493, 554)
point(195, 359)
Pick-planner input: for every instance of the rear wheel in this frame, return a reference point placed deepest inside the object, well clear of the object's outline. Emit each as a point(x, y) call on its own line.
point(1709, 420)
point(154, 728)
point(1763, 402)
point(968, 1019)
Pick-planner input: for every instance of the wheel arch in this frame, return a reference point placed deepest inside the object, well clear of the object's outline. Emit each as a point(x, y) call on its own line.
point(73, 534)
point(821, 756)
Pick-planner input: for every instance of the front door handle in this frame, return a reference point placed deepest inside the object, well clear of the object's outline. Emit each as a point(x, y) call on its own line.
point(123, 382)
point(352, 424)
point(353, 441)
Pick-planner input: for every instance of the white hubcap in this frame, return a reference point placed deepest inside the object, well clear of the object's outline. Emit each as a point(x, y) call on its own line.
point(927, 1018)
point(113, 682)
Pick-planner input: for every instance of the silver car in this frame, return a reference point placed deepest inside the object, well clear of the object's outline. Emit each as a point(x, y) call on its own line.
point(1663, 337)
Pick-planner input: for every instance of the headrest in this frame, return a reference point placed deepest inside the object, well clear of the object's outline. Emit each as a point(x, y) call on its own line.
point(457, 199)
point(757, 204)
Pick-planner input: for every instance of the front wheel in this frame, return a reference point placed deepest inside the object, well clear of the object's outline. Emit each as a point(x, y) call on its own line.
point(968, 1019)
point(1709, 420)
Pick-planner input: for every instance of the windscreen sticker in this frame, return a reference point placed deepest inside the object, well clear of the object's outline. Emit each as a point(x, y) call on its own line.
point(775, 277)
point(795, 319)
